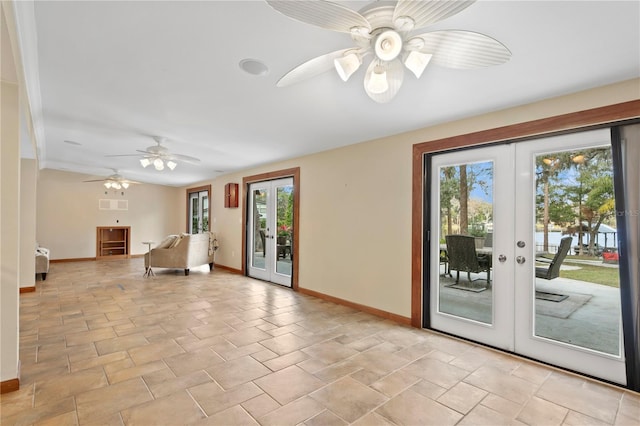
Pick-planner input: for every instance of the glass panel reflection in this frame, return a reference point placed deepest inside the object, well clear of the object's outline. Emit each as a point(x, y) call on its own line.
point(205, 213)
point(466, 241)
point(259, 228)
point(284, 220)
point(577, 298)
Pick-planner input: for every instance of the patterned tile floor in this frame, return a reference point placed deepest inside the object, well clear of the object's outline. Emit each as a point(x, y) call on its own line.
point(102, 345)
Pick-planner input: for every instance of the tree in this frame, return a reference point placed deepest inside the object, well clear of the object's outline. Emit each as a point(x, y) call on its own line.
point(448, 193)
point(284, 211)
point(464, 201)
point(591, 190)
point(456, 186)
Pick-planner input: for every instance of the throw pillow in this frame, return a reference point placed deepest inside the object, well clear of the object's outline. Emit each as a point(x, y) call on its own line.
point(176, 241)
point(166, 243)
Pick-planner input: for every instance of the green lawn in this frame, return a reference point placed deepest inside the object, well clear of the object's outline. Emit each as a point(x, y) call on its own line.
point(592, 274)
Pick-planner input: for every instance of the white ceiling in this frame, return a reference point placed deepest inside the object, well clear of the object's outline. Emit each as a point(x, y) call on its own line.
point(114, 74)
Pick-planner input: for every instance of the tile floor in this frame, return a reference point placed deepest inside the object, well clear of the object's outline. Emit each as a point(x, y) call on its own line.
point(100, 345)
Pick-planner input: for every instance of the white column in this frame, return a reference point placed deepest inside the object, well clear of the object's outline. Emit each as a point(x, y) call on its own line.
point(28, 185)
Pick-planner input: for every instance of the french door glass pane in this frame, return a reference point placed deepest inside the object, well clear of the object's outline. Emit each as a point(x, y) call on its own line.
point(195, 219)
point(575, 201)
point(466, 208)
point(260, 230)
point(284, 221)
point(205, 213)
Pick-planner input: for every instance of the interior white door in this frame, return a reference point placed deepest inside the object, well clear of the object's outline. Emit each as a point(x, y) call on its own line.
point(506, 198)
point(270, 231)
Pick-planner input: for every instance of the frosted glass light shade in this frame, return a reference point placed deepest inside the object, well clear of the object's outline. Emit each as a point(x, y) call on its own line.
point(145, 162)
point(107, 184)
point(125, 185)
point(416, 62)
point(172, 165)
point(394, 77)
point(378, 82)
point(347, 65)
point(158, 164)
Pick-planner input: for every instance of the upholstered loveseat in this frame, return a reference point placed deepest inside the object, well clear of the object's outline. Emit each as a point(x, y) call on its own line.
point(183, 251)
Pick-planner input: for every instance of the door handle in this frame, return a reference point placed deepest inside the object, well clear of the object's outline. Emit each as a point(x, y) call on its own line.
point(520, 260)
point(502, 258)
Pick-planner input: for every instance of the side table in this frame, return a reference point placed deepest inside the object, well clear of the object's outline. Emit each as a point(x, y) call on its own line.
point(149, 272)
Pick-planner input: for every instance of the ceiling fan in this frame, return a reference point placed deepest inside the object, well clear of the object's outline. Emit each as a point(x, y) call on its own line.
point(384, 29)
point(115, 181)
point(159, 155)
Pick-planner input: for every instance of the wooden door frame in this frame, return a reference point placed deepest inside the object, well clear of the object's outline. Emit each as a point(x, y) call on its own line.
point(285, 173)
point(195, 190)
point(583, 120)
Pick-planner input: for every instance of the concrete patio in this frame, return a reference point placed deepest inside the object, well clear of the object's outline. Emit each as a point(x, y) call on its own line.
point(589, 317)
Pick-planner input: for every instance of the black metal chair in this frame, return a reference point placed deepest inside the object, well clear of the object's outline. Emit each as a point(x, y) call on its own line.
point(262, 240)
point(462, 255)
point(551, 267)
point(488, 239)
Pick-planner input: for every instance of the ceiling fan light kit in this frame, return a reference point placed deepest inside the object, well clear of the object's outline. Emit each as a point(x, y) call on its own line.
point(160, 156)
point(110, 184)
point(384, 28)
point(115, 181)
point(388, 45)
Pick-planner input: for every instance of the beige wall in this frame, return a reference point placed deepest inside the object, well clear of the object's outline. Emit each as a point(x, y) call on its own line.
point(68, 214)
point(28, 178)
point(355, 205)
point(9, 229)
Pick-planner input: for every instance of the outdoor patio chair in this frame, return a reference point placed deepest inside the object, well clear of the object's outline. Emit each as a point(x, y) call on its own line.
point(488, 239)
point(462, 255)
point(262, 240)
point(551, 269)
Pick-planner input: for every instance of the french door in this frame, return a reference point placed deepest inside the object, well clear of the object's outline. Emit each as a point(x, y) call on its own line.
point(518, 201)
point(270, 231)
point(198, 212)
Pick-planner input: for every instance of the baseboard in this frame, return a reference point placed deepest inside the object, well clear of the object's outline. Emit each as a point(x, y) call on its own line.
point(11, 385)
point(368, 309)
point(136, 256)
point(77, 259)
point(27, 289)
point(229, 269)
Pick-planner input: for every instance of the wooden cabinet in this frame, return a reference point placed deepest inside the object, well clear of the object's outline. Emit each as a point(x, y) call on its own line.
point(231, 195)
point(113, 242)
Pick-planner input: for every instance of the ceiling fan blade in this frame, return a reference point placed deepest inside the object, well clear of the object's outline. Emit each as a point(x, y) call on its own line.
point(425, 13)
point(94, 180)
point(463, 49)
point(394, 78)
point(185, 158)
point(123, 155)
point(323, 14)
point(311, 68)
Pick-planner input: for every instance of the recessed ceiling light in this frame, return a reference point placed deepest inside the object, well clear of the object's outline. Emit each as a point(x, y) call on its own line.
point(72, 143)
point(253, 67)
